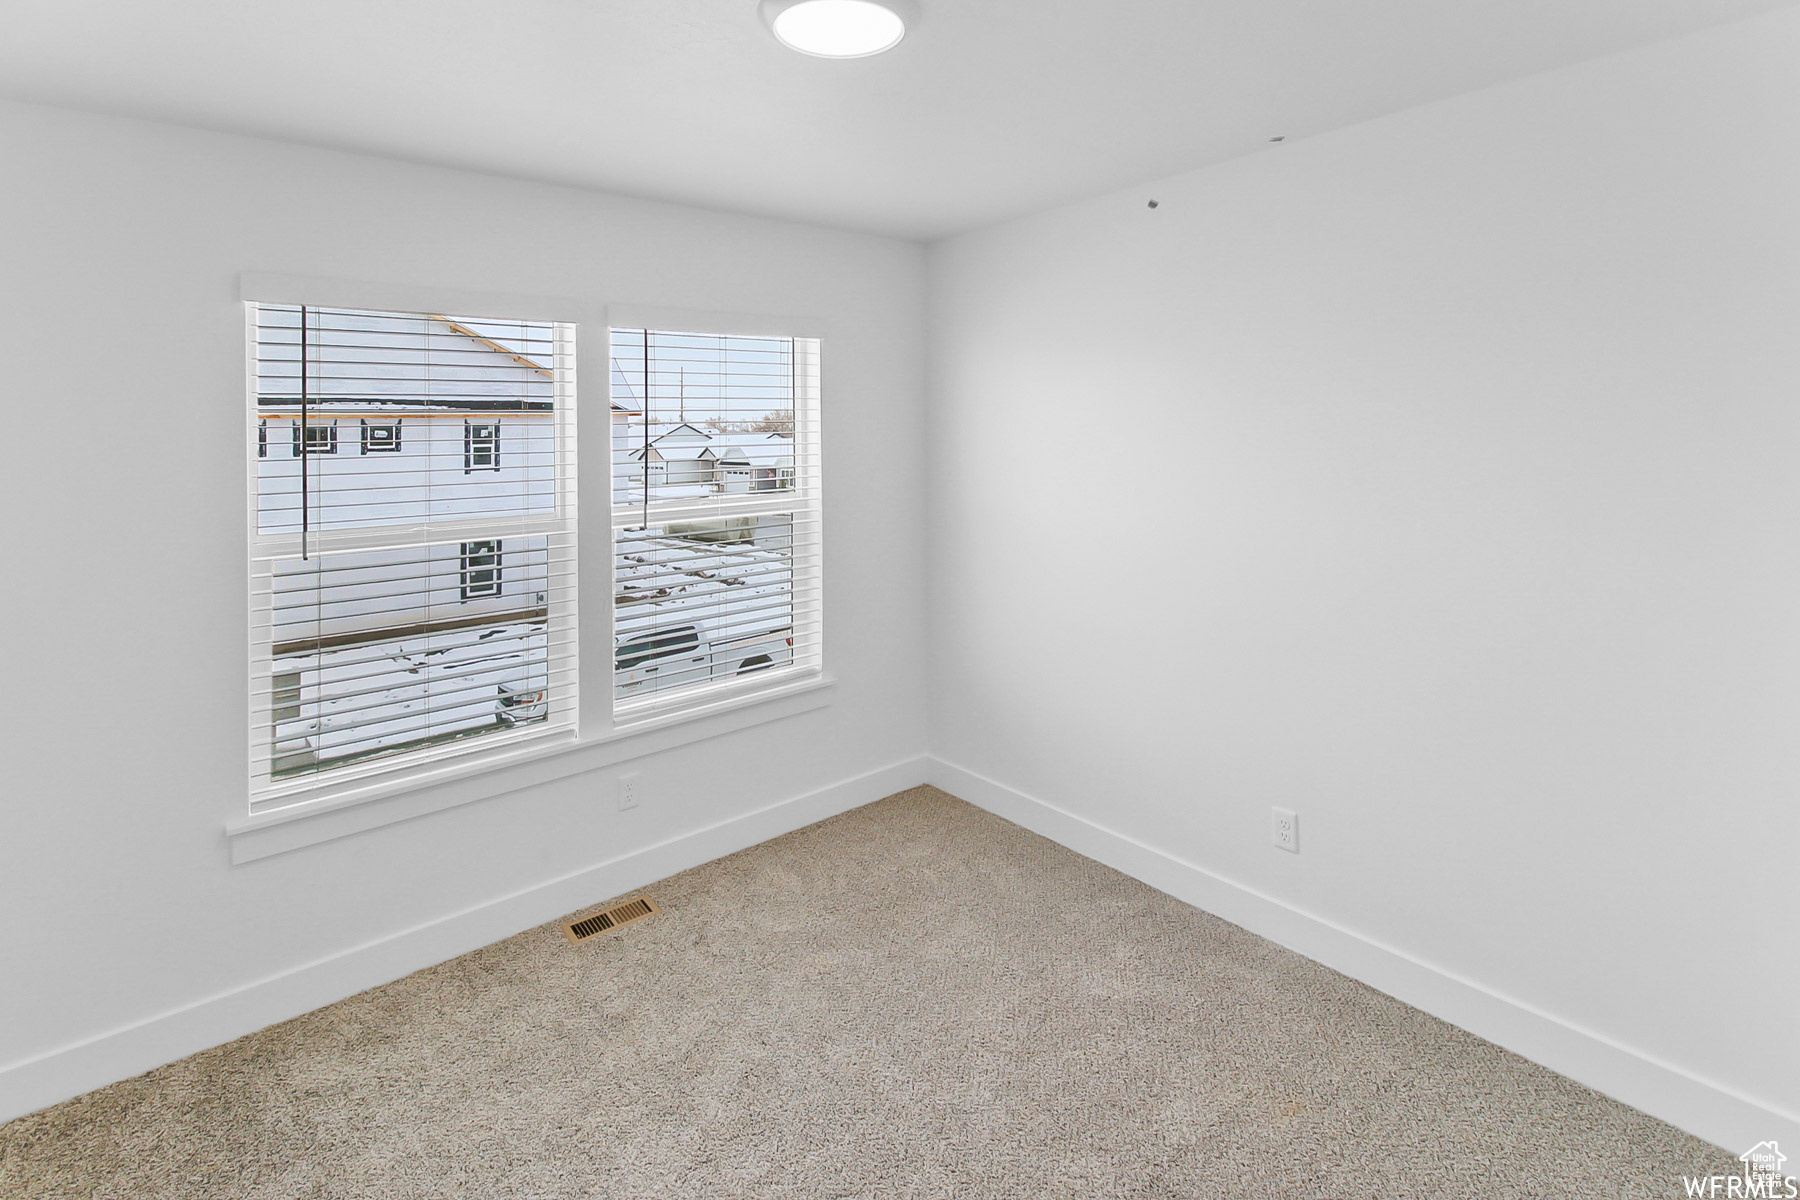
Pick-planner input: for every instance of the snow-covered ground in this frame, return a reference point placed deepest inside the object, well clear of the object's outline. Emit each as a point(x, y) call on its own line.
point(377, 696)
point(689, 611)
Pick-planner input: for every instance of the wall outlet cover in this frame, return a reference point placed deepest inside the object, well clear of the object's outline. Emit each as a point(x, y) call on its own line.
point(1284, 829)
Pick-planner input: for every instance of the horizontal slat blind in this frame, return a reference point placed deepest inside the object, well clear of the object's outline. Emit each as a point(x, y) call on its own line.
point(412, 418)
point(413, 559)
point(716, 516)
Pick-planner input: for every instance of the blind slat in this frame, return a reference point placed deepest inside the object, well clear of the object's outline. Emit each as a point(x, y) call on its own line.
point(715, 465)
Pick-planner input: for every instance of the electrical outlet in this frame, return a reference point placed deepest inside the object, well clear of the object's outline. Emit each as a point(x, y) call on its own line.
point(628, 791)
point(1284, 829)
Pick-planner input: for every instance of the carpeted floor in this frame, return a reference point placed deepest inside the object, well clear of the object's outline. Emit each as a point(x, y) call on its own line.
point(912, 999)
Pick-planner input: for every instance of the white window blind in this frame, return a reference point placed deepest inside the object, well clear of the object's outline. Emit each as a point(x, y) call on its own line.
point(716, 517)
point(412, 542)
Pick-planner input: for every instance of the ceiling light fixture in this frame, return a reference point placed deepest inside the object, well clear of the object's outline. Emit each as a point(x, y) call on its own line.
point(839, 28)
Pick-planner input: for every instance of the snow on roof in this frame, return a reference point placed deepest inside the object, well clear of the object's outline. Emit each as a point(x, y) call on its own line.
point(425, 360)
point(632, 491)
point(678, 452)
point(680, 432)
point(763, 454)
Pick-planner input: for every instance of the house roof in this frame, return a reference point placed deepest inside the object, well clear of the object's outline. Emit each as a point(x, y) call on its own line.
point(767, 454)
point(675, 452)
point(681, 432)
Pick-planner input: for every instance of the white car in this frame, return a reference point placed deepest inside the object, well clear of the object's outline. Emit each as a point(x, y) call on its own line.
point(691, 610)
point(661, 659)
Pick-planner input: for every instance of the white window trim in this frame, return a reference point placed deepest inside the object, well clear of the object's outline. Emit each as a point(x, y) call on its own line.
point(353, 806)
point(452, 784)
point(413, 764)
point(652, 712)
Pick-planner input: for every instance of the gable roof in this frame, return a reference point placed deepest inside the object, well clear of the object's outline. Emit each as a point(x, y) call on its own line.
point(679, 452)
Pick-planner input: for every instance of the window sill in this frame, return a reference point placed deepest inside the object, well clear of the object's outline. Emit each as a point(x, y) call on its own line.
point(375, 805)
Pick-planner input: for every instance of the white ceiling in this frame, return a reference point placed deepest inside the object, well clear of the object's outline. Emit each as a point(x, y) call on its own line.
point(990, 108)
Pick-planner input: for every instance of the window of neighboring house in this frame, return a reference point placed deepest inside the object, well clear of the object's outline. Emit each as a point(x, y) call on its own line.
point(321, 437)
point(382, 437)
point(716, 517)
point(383, 639)
point(480, 570)
point(481, 446)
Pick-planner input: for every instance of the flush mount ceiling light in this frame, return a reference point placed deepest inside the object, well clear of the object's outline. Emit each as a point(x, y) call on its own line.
point(839, 28)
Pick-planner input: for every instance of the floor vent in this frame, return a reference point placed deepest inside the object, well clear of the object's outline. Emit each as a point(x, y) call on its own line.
point(594, 924)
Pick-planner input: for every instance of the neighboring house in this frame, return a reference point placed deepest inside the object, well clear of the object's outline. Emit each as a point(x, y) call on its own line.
point(621, 421)
point(376, 462)
point(625, 417)
point(699, 598)
point(451, 408)
point(771, 462)
point(676, 463)
point(381, 460)
point(687, 457)
point(416, 425)
point(733, 469)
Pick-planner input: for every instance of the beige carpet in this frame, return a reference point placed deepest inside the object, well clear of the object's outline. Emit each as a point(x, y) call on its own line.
point(912, 999)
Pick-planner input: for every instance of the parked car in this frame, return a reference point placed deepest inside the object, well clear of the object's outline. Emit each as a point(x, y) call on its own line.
point(700, 602)
point(661, 659)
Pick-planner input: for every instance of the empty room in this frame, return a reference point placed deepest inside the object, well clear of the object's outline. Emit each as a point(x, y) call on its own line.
point(901, 598)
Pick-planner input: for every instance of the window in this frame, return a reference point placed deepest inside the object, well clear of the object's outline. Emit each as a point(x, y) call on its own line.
point(402, 612)
point(480, 570)
point(672, 642)
point(716, 522)
point(481, 446)
point(321, 437)
point(381, 438)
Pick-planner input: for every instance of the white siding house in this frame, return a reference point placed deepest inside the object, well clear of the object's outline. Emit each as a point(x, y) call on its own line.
point(401, 421)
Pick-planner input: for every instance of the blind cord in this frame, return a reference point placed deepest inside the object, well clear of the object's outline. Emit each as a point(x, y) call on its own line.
point(305, 441)
point(646, 464)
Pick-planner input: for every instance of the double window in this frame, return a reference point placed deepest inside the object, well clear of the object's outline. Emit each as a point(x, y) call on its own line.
point(404, 611)
point(416, 601)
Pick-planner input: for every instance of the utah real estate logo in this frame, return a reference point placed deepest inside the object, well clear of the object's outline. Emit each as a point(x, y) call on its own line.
point(1763, 1178)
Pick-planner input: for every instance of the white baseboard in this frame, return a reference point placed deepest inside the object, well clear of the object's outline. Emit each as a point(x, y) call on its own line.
point(1710, 1111)
point(119, 1054)
point(1707, 1110)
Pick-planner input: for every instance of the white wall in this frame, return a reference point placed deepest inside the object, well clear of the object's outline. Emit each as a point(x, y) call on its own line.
point(1480, 546)
point(122, 348)
point(1477, 547)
